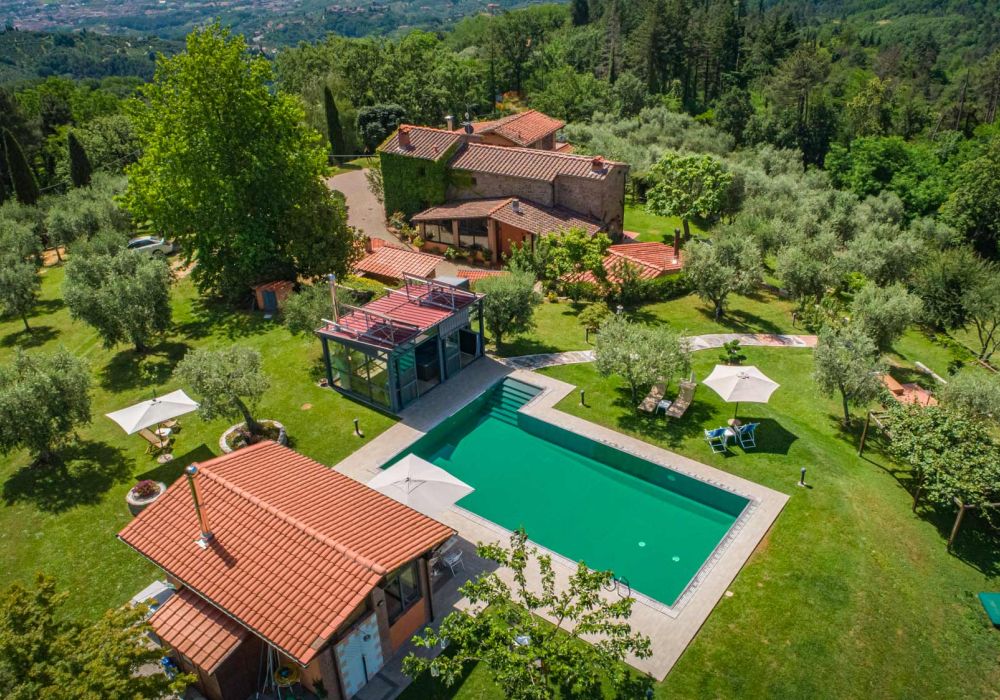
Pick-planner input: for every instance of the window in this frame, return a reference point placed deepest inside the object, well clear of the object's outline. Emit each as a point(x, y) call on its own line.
point(402, 590)
point(439, 231)
point(473, 233)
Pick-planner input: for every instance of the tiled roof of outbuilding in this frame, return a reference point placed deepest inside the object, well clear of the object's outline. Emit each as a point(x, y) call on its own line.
point(425, 142)
point(523, 128)
point(296, 546)
point(394, 263)
point(529, 163)
point(538, 219)
point(197, 629)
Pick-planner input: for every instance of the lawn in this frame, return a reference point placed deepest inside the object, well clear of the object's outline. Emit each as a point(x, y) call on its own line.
point(650, 227)
point(851, 594)
point(63, 521)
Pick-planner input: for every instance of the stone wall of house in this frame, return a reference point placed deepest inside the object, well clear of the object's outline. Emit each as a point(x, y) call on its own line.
point(466, 185)
point(603, 200)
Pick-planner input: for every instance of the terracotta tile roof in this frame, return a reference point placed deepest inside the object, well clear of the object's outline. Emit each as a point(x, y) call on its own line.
point(393, 263)
point(523, 128)
point(651, 260)
point(530, 163)
point(425, 142)
point(402, 315)
point(197, 629)
point(296, 548)
point(465, 209)
point(474, 275)
point(564, 147)
point(538, 219)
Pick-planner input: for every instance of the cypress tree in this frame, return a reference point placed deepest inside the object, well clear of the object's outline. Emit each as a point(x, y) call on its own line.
point(334, 129)
point(79, 164)
point(580, 12)
point(22, 178)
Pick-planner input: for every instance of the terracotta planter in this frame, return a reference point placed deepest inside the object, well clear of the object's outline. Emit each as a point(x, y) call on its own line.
point(136, 505)
point(224, 440)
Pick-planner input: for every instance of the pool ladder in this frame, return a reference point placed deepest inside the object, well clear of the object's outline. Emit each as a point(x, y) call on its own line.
point(620, 584)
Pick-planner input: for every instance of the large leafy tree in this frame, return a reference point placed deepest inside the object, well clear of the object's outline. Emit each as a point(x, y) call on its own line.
point(229, 383)
point(529, 657)
point(575, 251)
point(641, 355)
point(45, 656)
point(375, 123)
point(729, 265)
point(230, 171)
point(43, 398)
point(982, 306)
point(974, 205)
point(125, 296)
point(952, 454)
point(943, 282)
point(848, 363)
point(688, 186)
point(509, 305)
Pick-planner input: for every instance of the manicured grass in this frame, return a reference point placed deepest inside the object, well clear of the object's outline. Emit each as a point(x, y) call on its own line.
point(650, 227)
point(63, 521)
point(851, 594)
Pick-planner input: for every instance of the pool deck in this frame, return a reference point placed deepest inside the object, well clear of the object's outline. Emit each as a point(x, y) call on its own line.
point(670, 628)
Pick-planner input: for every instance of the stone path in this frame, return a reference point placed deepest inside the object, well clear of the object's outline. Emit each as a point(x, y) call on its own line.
point(697, 342)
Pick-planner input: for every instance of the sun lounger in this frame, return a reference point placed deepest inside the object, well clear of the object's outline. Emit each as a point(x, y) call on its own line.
point(156, 443)
point(653, 398)
point(991, 604)
point(684, 398)
point(747, 435)
point(718, 439)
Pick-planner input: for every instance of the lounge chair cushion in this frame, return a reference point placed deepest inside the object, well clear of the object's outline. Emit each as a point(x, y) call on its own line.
point(991, 604)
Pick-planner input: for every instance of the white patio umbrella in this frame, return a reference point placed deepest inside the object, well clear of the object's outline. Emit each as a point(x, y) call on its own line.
point(421, 485)
point(735, 384)
point(156, 410)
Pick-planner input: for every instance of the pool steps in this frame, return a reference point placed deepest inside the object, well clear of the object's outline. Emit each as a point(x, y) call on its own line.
point(507, 398)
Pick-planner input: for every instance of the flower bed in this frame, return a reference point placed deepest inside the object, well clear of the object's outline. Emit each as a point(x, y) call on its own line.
point(140, 496)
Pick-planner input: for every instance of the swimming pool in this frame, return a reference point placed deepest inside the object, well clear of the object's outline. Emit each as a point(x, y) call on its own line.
point(584, 500)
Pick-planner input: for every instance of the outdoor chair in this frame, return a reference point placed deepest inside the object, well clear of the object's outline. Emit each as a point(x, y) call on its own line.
point(718, 439)
point(156, 443)
point(453, 560)
point(747, 435)
point(684, 398)
point(172, 424)
point(653, 398)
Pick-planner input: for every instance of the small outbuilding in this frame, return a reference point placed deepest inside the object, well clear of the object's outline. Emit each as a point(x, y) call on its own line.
point(395, 349)
point(271, 296)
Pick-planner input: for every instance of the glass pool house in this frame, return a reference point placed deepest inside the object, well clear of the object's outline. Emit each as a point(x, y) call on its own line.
point(395, 349)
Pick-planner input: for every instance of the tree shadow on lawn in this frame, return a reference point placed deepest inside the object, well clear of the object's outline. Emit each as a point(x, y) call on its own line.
point(38, 335)
point(85, 471)
point(44, 307)
point(171, 471)
point(525, 346)
point(212, 317)
point(130, 370)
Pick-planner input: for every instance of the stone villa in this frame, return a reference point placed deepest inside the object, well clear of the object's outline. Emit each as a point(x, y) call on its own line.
point(480, 187)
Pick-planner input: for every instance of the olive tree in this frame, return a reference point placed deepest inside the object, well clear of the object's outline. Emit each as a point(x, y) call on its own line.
point(728, 265)
point(885, 312)
point(509, 304)
point(43, 398)
point(641, 355)
point(229, 382)
point(125, 297)
point(848, 363)
point(974, 392)
point(527, 656)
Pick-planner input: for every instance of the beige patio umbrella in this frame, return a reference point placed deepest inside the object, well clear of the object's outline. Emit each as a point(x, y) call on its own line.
point(735, 384)
point(421, 485)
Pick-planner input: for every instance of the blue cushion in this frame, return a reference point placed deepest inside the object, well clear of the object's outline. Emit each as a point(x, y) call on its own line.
point(991, 604)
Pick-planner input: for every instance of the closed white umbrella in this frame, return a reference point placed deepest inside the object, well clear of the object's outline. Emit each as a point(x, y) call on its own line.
point(734, 384)
point(152, 412)
point(421, 485)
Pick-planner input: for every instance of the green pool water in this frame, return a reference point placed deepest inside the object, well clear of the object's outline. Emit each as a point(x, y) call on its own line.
point(585, 500)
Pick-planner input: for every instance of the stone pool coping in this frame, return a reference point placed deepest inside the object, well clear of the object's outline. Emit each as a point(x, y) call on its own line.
point(670, 628)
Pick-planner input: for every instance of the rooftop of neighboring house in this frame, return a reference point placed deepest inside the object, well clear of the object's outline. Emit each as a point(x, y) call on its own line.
point(529, 163)
point(295, 548)
point(651, 260)
point(390, 262)
point(402, 314)
point(523, 128)
point(521, 213)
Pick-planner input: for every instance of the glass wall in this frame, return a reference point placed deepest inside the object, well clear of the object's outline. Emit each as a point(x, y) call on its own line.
point(439, 232)
point(473, 233)
point(402, 590)
point(360, 373)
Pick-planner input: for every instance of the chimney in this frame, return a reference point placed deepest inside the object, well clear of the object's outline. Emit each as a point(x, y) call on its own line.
point(206, 535)
point(677, 244)
point(450, 121)
point(597, 164)
point(515, 206)
point(332, 279)
point(404, 137)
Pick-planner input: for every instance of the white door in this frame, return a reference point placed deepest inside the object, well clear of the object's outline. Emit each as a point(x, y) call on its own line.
point(359, 655)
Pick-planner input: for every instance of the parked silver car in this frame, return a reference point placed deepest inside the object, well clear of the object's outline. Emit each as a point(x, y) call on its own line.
point(151, 245)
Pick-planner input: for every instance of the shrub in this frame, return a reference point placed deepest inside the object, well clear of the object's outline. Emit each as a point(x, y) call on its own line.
point(147, 488)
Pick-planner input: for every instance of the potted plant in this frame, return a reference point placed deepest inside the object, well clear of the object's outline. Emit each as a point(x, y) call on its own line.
point(140, 496)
